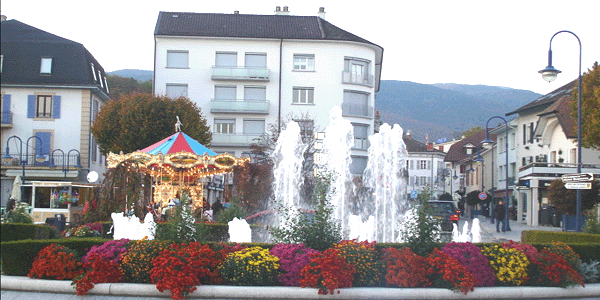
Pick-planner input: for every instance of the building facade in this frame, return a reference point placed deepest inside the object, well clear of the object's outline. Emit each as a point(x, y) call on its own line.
point(52, 88)
point(249, 73)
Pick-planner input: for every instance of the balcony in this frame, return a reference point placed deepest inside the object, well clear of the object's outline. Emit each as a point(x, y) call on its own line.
point(233, 140)
point(542, 169)
point(240, 73)
point(355, 110)
point(360, 79)
point(40, 165)
point(7, 119)
point(239, 106)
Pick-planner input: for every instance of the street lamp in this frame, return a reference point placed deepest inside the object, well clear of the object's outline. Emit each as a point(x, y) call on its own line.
point(549, 74)
point(506, 226)
point(24, 162)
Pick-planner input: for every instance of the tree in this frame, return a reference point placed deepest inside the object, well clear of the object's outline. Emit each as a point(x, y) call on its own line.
point(120, 86)
point(590, 102)
point(136, 121)
point(472, 131)
point(565, 200)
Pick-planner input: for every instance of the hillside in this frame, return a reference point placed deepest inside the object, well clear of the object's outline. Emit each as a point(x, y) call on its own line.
point(445, 110)
point(438, 110)
point(139, 75)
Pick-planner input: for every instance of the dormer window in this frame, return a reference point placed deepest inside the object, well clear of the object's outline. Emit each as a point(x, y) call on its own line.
point(46, 66)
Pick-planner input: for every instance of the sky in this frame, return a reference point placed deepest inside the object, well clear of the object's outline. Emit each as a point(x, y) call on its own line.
point(497, 43)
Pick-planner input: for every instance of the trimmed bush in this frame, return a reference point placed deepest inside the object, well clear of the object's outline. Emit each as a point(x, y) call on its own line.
point(539, 237)
point(22, 231)
point(18, 256)
point(205, 232)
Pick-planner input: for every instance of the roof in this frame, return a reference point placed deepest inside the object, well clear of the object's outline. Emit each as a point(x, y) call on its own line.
point(251, 26)
point(456, 151)
point(23, 46)
point(413, 146)
point(546, 100)
point(176, 143)
point(562, 110)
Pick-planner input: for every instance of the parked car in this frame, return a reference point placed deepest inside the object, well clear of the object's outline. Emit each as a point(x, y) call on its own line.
point(446, 212)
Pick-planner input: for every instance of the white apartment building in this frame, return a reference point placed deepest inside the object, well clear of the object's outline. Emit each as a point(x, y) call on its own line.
point(248, 72)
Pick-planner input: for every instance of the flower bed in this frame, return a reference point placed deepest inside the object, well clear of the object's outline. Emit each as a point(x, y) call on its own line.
point(181, 268)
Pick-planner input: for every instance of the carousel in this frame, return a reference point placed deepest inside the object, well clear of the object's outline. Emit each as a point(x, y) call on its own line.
point(177, 163)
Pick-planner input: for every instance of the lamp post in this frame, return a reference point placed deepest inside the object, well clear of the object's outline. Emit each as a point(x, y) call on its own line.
point(25, 161)
point(506, 226)
point(549, 74)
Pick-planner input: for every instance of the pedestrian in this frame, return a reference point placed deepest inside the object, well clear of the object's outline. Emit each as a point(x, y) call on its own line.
point(499, 214)
point(217, 207)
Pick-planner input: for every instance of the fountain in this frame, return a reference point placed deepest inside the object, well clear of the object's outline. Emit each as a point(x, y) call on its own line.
point(131, 228)
point(376, 216)
point(239, 231)
point(473, 235)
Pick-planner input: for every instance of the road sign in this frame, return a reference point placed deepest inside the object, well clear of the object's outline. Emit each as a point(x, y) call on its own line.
point(578, 185)
point(577, 177)
point(414, 194)
point(482, 196)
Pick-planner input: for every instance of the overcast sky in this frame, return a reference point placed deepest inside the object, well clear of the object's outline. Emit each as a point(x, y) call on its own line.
point(499, 43)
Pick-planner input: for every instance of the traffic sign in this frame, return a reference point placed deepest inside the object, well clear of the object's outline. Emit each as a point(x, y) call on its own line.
point(414, 194)
point(577, 177)
point(578, 185)
point(482, 196)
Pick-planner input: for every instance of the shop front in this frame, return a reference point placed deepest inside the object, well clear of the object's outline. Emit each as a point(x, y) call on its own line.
point(50, 199)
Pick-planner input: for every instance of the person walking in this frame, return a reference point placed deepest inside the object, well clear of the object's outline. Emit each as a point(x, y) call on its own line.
point(499, 214)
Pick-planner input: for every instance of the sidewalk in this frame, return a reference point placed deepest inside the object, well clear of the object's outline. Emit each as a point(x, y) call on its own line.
point(489, 234)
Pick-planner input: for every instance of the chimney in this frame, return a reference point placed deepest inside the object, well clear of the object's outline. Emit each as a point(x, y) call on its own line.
point(280, 12)
point(322, 13)
point(3, 18)
point(236, 12)
point(408, 134)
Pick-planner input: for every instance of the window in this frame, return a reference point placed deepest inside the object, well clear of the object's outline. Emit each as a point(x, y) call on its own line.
point(93, 150)
point(226, 59)
point(224, 126)
point(356, 71)
point(552, 157)
point(254, 127)
point(524, 134)
point(513, 140)
point(46, 65)
point(531, 132)
point(225, 92)
point(1, 62)
point(423, 180)
point(358, 165)
point(255, 93)
point(361, 136)
point(177, 59)
point(423, 165)
point(412, 165)
point(303, 95)
point(43, 107)
point(94, 72)
point(356, 103)
point(304, 62)
point(256, 60)
point(573, 155)
point(177, 90)
point(307, 128)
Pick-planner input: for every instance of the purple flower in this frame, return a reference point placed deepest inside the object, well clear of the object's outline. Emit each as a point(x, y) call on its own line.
point(476, 263)
point(292, 258)
point(111, 250)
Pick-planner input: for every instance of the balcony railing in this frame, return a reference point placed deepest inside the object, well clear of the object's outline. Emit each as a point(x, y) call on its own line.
point(240, 73)
point(541, 168)
point(7, 118)
point(34, 160)
point(239, 106)
point(354, 110)
point(361, 79)
point(238, 139)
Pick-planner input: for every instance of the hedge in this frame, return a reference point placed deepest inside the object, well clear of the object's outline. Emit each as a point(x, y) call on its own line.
point(21, 231)
point(540, 236)
point(18, 256)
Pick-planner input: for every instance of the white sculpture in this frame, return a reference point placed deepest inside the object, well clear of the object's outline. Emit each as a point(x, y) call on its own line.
point(131, 228)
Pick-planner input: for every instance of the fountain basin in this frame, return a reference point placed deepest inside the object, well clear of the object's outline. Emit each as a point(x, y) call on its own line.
point(21, 283)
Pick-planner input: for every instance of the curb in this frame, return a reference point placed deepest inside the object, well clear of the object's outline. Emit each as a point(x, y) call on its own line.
point(26, 284)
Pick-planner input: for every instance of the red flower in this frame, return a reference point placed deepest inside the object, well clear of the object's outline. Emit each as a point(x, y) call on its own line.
point(327, 271)
point(55, 262)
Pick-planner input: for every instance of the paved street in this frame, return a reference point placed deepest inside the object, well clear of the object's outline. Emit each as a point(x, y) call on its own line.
point(489, 234)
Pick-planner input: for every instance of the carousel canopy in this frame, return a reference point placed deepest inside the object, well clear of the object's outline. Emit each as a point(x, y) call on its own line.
point(176, 143)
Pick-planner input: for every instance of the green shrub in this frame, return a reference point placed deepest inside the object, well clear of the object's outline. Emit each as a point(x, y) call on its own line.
point(18, 215)
point(205, 232)
point(539, 236)
point(18, 256)
point(22, 231)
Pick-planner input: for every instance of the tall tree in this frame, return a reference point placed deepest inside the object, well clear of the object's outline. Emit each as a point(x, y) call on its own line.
point(135, 121)
point(590, 103)
point(472, 131)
